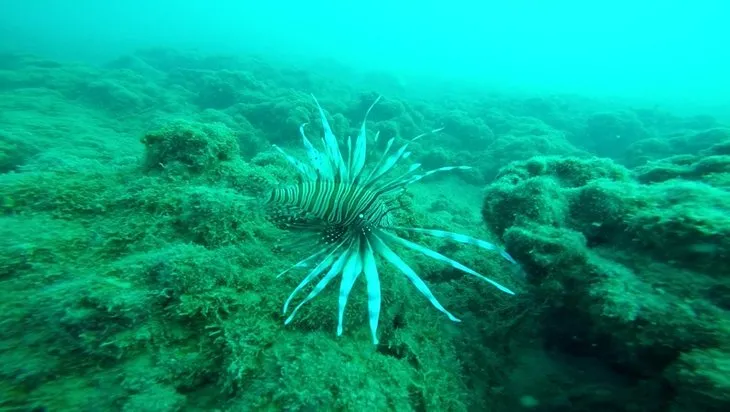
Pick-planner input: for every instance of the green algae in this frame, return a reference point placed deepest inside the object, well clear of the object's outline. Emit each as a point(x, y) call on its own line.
point(138, 272)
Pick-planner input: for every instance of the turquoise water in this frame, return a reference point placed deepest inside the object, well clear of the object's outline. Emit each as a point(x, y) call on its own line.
point(658, 53)
point(574, 258)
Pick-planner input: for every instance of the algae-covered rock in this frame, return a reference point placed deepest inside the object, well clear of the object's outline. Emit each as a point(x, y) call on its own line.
point(193, 147)
point(685, 223)
point(538, 190)
point(703, 380)
point(708, 167)
point(14, 151)
point(610, 133)
point(682, 143)
point(675, 220)
point(526, 140)
point(155, 398)
point(624, 266)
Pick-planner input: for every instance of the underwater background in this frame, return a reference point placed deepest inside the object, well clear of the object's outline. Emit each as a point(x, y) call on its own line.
point(138, 268)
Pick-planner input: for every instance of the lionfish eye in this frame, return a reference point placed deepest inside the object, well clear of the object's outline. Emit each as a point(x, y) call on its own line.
point(362, 215)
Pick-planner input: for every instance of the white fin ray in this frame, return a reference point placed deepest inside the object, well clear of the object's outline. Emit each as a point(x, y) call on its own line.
point(350, 273)
point(349, 156)
point(398, 181)
point(324, 264)
point(335, 270)
point(458, 237)
point(332, 148)
point(393, 159)
point(370, 269)
point(406, 180)
point(302, 168)
point(438, 256)
point(383, 156)
point(389, 163)
point(303, 263)
point(361, 145)
point(383, 250)
point(316, 158)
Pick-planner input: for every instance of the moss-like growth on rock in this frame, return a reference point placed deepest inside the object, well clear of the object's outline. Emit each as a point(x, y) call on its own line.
point(195, 147)
point(625, 267)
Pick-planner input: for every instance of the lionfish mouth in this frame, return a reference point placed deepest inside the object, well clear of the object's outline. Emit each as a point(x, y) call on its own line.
point(342, 213)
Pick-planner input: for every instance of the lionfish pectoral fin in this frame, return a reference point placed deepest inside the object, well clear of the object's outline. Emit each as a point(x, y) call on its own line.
point(383, 250)
point(299, 242)
point(302, 263)
point(370, 269)
point(334, 270)
point(438, 256)
point(350, 272)
point(458, 237)
point(324, 264)
point(303, 169)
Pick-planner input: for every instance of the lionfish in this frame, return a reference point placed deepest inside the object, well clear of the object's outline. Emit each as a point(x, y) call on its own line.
point(342, 211)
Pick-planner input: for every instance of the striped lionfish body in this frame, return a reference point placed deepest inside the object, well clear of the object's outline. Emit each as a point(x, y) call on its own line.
point(342, 211)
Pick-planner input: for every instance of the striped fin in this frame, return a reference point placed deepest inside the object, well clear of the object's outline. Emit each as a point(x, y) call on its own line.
point(335, 270)
point(398, 181)
point(383, 250)
point(332, 148)
point(324, 264)
point(352, 269)
point(388, 164)
point(316, 158)
point(302, 242)
point(414, 179)
point(302, 263)
point(372, 279)
point(434, 131)
point(349, 155)
point(405, 180)
point(382, 159)
point(391, 161)
point(457, 237)
point(438, 256)
point(358, 161)
point(302, 168)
